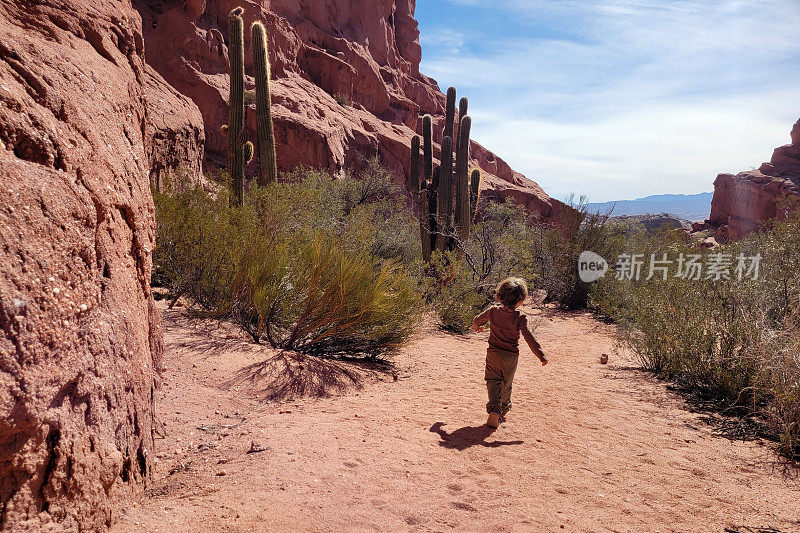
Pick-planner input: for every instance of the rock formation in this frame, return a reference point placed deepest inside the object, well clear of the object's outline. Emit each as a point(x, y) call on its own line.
point(174, 133)
point(346, 82)
point(80, 336)
point(85, 128)
point(744, 200)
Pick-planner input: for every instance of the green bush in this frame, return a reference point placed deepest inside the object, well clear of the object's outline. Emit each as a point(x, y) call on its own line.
point(199, 243)
point(460, 284)
point(311, 264)
point(327, 301)
point(556, 252)
point(733, 341)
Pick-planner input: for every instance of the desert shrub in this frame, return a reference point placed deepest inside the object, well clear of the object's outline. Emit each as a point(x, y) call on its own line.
point(343, 100)
point(731, 340)
point(459, 284)
point(328, 301)
point(453, 290)
point(199, 242)
point(557, 248)
point(310, 264)
point(362, 210)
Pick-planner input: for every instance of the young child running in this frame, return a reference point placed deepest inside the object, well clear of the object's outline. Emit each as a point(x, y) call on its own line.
point(505, 325)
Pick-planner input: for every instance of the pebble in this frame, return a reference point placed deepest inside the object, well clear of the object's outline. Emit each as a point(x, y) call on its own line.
point(256, 447)
point(19, 306)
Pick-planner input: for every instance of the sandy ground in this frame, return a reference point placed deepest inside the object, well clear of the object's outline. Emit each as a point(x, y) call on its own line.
point(587, 447)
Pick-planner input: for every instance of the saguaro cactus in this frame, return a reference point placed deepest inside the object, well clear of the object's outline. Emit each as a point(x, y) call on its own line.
point(268, 170)
point(236, 132)
point(443, 222)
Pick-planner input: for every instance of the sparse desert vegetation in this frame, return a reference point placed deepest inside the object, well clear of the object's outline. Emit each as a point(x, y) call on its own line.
point(242, 247)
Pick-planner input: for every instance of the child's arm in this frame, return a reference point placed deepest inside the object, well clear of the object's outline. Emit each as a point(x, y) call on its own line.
point(529, 338)
point(480, 320)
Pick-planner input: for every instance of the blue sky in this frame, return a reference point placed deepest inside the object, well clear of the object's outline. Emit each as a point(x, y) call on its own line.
point(620, 99)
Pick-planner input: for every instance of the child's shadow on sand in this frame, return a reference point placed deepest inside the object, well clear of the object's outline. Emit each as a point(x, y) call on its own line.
point(468, 436)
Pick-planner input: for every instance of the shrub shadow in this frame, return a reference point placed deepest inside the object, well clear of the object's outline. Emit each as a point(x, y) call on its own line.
point(289, 375)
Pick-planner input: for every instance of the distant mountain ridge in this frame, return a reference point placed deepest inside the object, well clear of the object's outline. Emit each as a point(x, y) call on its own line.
point(692, 207)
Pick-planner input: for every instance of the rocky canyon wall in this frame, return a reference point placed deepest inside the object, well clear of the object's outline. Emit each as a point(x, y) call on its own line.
point(80, 337)
point(346, 82)
point(744, 200)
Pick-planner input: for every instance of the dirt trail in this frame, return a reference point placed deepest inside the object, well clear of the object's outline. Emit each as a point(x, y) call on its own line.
point(587, 447)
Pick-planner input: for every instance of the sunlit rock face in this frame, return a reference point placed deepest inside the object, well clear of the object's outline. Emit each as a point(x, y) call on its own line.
point(744, 200)
point(80, 335)
point(346, 83)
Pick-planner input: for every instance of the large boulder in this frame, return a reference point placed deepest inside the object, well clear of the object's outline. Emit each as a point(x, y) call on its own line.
point(743, 201)
point(346, 82)
point(80, 337)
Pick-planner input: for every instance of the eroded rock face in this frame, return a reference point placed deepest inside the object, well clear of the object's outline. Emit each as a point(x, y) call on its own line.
point(174, 134)
point(744, 200)
point(346, 82)
point(80, 335)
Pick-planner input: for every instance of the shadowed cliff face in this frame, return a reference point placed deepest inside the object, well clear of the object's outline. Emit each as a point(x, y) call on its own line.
point(744, 200)
point(346, 82)
point(80, 335)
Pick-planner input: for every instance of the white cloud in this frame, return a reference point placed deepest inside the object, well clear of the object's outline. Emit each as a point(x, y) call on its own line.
point(678, 148)
point(625, 98)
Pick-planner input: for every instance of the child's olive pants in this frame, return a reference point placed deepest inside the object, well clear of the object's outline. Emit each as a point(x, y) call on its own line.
point(499, 376)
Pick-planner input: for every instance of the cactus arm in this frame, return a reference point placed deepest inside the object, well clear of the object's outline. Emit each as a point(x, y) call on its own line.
point(268, 168)
point(449, 115)
point(445, 194)
point(236, 101)
point(248, 152)
point(412, 182)
point(463, 106)
point(475, 192)
point(433, 190)
point(461, 182)
point(427, 147)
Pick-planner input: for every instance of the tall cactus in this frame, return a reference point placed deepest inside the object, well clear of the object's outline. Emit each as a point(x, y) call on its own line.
point(268, 169)
point(447, 195)
point(236, 132)
point(462, 185)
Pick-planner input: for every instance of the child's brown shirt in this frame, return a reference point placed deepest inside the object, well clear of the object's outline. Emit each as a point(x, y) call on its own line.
point(505, 328)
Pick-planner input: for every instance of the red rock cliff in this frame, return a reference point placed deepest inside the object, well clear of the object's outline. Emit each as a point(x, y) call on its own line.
point(744, 200)
point(346, 82)
point(79, 335)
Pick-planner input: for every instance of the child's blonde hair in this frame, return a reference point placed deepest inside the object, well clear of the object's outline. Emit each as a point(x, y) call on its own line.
point(511, 291)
